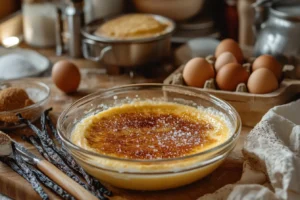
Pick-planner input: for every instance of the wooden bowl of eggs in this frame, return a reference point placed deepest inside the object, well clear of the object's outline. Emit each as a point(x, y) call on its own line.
point(251, 85)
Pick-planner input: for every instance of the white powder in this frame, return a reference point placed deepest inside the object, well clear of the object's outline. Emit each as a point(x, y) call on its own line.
point(39, 24)
point(14, 66)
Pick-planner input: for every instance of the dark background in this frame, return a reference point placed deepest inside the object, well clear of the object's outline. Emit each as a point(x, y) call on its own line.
point(217, 9)
point(8, 7)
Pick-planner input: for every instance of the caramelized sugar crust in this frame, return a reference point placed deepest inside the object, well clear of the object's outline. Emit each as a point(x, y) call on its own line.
point(148, 132)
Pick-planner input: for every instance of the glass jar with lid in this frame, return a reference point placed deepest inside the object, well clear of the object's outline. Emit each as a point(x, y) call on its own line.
point(39, 19)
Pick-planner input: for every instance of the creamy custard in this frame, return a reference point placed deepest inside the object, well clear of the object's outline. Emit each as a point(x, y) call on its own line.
point(150, 131)
point(132, 26)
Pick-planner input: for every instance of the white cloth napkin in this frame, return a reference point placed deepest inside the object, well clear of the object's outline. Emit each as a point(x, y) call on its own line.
point(272, 159)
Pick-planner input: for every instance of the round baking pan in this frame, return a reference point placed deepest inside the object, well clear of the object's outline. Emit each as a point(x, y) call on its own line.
point(126, 52)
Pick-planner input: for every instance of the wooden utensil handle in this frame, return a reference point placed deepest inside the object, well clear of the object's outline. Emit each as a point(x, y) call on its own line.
point(64, 181)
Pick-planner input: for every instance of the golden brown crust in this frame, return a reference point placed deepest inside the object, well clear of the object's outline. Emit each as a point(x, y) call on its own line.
point(141, 135)
point(151, 130)
point(131, 26)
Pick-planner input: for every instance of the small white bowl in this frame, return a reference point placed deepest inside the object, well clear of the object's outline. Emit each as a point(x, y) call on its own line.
point(36, 63)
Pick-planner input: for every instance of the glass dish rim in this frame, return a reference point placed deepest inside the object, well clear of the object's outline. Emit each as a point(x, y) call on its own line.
point(236, 130)
point(35, 105)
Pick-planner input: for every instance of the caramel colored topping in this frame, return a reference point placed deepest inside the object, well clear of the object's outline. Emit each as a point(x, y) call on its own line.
point(149, 132)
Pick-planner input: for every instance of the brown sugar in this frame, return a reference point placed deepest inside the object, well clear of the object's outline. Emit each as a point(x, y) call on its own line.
point(11, 99)
point(14, 98)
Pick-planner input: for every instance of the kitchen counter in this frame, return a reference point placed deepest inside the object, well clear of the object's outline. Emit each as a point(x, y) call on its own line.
point(93, 79)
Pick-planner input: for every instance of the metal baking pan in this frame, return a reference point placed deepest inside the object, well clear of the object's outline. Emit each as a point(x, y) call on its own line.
point(126, 52)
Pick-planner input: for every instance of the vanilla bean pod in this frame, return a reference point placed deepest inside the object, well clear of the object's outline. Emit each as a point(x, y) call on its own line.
point(46, 142)
point(62, 152)
point(50, 184)
point(71, 163)
point(34, 141)
point(101, 196)
point(70, 160)
point(51, 153)
point(94, 184)
point(32, 179)
point(12, 164)
point(42, 178)
point(52, 127)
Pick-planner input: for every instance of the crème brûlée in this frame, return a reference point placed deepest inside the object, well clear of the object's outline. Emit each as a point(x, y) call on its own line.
point(151, 131)
point(132, 26)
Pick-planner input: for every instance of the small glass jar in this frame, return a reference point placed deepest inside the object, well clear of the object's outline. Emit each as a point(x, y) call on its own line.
point(39, 19)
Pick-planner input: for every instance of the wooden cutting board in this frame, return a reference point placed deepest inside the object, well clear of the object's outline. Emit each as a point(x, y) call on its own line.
point(14, 186)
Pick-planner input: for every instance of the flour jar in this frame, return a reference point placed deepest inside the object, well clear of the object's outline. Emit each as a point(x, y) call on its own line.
point(39, 18)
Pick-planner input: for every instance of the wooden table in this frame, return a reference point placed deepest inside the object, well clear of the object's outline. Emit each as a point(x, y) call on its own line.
point(93, 79)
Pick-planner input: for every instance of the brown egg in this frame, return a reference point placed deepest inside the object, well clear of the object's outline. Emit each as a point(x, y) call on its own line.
point(223, 59)
point(231, 46)
point(267, 61)
point(66, 76)
point(262, 81)
point(230, 75)
point(197, 71)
